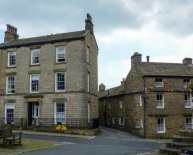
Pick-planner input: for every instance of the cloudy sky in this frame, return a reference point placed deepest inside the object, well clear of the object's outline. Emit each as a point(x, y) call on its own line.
point(162, 29)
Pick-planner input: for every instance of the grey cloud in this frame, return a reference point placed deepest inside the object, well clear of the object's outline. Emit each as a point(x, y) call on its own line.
point(68, 14)
point(174, 16)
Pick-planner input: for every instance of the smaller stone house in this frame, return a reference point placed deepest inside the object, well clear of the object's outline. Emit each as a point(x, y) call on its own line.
point(156, 98)
point(111, 106)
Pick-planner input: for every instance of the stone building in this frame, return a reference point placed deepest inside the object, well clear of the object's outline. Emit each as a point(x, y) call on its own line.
point(50, 79)
point(111, 106)
point(157, 100)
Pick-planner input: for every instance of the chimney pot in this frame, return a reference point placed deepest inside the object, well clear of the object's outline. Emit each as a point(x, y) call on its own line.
point(11, 33)
point(135, 59)
point(187, 61)
point(148, 58)
point(123, 82)
point(101, 87)
point(88, 23)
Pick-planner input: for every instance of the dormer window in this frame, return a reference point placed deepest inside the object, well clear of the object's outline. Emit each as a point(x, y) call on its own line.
point(159, 82)
point(60, 54)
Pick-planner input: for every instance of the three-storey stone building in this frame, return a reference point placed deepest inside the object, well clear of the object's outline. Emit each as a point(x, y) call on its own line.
point(50, 79)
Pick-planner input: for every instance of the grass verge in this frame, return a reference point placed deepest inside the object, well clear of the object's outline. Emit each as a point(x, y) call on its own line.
point(27, 145)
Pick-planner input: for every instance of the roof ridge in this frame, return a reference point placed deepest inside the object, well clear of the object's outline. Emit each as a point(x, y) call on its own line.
point(173, 63)
point(49, 35)
point(45, 39)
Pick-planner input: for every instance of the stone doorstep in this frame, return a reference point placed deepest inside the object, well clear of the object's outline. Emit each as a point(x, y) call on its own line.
point(177, 138)
point(185, 133)
point(177, 145)
point(169, 151)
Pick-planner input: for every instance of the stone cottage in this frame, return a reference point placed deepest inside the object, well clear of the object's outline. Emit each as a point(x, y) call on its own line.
point(156, 100)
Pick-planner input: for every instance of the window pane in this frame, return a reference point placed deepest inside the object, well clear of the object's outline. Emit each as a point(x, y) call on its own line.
point(187, 100)
point(9, 113)
point(88, 54)
point(34, 83)
point(158, 82)
point(60, 81)
point(11, 59)
point(35, 56)
point(60, 53)
point(160, 125)
point(159, 101)
point(60, 112)
point(10, 84)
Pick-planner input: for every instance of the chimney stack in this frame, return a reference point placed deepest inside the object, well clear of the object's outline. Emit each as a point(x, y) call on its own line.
point(123, 82)
point(11, 33)
point(147, 58)
point(187, 61)
point(88, 23)
point(135, 59)
point(101, 87)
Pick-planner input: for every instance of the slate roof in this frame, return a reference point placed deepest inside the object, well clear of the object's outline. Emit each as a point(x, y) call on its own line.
point(115, 91)
point(166, 69)
point(44, 39)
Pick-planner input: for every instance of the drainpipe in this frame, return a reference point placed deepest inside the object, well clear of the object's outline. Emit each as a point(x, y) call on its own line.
point(144, 107)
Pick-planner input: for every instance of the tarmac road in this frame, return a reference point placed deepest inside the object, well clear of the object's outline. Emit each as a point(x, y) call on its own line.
point(109, 142)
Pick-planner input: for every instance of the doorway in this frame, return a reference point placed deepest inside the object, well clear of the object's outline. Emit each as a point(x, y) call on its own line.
point(33, 112)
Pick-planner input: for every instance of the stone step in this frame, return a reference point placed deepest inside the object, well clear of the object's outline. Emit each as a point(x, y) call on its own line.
point(177, 145)
point(186, 133)
point(169, 151)
point(181, 139)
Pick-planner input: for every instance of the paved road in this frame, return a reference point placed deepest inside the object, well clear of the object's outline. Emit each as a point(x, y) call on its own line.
point(109, 142)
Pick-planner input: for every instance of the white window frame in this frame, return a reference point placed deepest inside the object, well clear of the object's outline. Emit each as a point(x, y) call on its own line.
point(121, 120)
point(34, 52)
point(56, 82)
point(141, 123)
point(88, 82)
point(113, 120)
point(161, 128)
point(89, 112)
point(187, 101)
point(35, 110)
point(160, 103)
point(109, 105)
point(58, 52)
point(120, 104)
point(186, 82)
point(88, 54)
point(8, 62)
point(10, 84)
point(9, 106)
point(140, 101)
point(62, 113)
point(159, 82)
point(31, 78)
point(189, 123)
